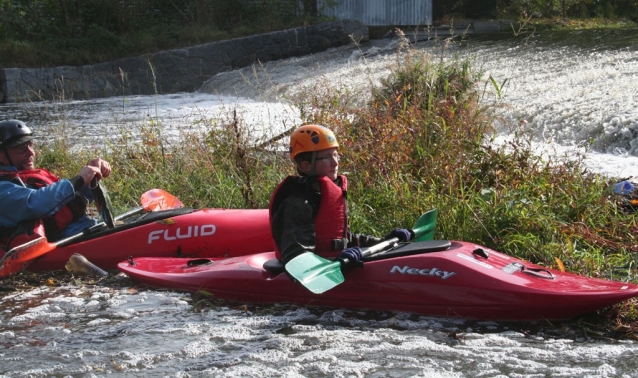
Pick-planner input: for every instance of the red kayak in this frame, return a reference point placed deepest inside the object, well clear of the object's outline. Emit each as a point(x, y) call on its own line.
point(160, 227)
point(436, 278)
point(181, 232)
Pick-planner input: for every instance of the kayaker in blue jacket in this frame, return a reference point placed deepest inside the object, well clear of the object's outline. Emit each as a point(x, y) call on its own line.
point(29, 195)
point(309, 211)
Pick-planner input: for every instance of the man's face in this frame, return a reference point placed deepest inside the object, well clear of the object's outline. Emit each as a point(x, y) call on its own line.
point(22, 156)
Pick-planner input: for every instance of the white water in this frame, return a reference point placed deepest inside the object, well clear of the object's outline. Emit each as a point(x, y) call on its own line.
point(86, 332)
point(570, 93)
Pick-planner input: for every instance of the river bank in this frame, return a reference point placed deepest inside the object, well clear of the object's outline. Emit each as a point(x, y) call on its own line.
point(186, 68)
point(172, 71)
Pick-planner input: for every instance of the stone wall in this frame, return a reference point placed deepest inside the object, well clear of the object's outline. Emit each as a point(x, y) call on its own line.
point(179, 70)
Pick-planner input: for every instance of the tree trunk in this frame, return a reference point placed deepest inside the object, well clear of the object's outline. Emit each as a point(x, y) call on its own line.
point(79, 13)
point(65, 15)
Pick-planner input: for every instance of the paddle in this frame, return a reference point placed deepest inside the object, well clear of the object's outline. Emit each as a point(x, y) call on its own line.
point(319, 275)
point(158, 199)
point(152, 200)
point(36, 247)
point(102, 202)
point(424, 226)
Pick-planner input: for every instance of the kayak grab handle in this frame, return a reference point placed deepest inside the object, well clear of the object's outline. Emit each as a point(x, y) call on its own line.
point(538, 272)
point(481, 252)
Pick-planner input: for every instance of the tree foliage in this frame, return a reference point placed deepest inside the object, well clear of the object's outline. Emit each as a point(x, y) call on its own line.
point(106, 29)
point(37, 33)
point(547, 8)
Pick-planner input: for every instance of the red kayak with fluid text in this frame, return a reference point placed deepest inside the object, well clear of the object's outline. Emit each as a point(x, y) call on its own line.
point(180, 232)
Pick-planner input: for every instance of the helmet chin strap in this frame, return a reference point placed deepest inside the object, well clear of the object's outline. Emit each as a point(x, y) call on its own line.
point(313, 170)
point(313, 164)
point(6, 154)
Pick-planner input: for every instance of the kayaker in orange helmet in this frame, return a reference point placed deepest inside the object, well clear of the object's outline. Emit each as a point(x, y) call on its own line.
point(309, 211)
point(29, 194)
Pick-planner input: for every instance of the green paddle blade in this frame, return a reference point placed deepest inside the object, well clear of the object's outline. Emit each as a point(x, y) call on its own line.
point(424, 226)
point(320, 275)
point(315, 273)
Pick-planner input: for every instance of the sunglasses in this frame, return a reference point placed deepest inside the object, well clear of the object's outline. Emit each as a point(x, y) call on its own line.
point(22, 148)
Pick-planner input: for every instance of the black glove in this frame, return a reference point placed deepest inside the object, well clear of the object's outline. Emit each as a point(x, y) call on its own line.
point(352, 256)
point(404, 235)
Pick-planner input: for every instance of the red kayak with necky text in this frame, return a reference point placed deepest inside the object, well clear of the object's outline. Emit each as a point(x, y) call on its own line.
point(437, 278)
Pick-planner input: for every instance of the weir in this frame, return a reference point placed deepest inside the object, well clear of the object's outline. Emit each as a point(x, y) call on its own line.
point(172, 71)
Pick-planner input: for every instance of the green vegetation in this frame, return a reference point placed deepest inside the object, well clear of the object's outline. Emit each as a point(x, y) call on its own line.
point(609, 9)
point(41, 33)
point(578, 23)
point(419, 140)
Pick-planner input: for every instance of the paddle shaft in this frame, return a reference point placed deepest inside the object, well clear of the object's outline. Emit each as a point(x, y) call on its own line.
point(369, 251)
point(89, 230)
point(380, 247)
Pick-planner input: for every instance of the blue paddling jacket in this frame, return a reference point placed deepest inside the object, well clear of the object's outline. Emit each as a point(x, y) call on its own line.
point(38, 194)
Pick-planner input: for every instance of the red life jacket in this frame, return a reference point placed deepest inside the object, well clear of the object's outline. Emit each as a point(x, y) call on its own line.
point(331, 219)
point(25, 232)
point(40, 178)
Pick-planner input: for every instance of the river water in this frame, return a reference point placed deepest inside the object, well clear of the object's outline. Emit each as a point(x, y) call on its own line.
point(572, 92)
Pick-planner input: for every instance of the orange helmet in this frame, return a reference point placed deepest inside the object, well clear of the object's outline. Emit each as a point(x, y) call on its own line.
point(309, 138)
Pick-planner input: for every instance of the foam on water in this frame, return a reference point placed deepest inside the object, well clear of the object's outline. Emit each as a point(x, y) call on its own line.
point(100, 121)
point(572, 98)
point(165, 337)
